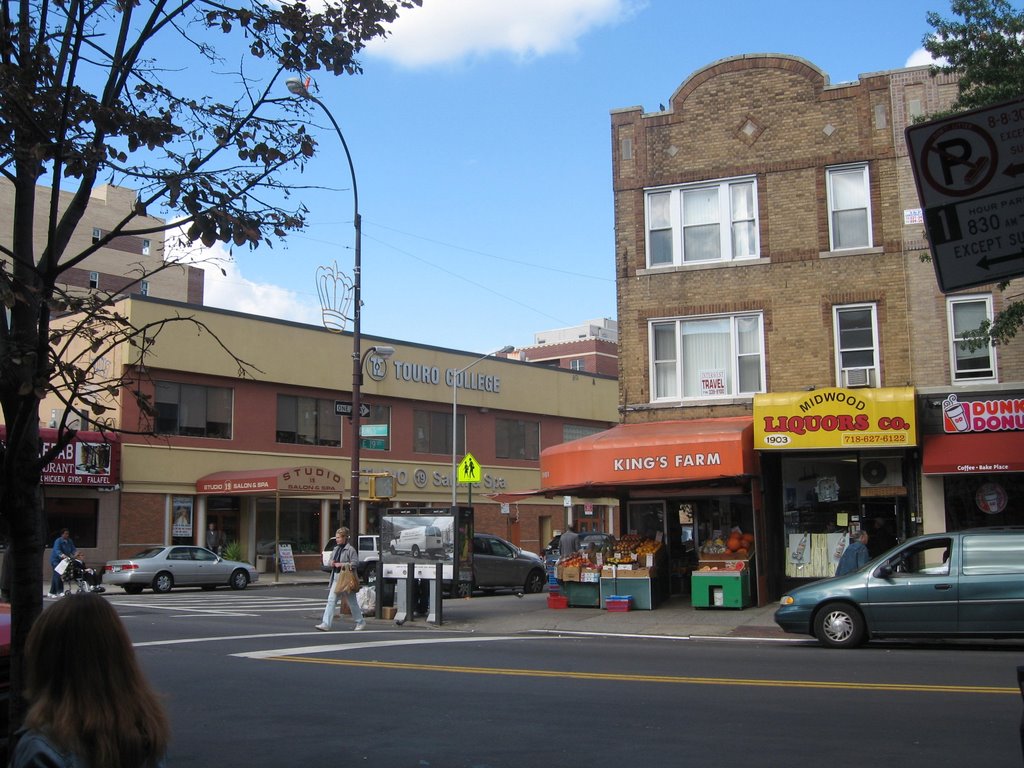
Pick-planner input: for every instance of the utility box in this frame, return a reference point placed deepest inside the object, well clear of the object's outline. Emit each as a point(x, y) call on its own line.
point(720, 589)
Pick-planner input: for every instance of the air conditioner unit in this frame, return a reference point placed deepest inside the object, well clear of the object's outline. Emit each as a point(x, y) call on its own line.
point(881, 472)
point(858, 377)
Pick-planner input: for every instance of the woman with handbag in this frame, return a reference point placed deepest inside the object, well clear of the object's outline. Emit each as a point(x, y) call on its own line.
point(344, 581)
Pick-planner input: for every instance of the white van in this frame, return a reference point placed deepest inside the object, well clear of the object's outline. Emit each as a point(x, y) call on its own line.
point(419, 541)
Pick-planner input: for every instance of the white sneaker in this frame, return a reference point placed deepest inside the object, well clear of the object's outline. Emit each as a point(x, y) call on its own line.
point(322, 627)
point(360, 626)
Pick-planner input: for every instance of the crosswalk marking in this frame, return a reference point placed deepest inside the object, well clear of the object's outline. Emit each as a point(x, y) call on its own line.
point(221, 604)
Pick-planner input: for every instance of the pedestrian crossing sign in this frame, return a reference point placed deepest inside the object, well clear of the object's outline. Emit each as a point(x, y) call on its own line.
point(469, 470)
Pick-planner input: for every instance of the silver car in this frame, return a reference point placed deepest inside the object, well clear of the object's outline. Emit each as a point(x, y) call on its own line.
point(163, 568)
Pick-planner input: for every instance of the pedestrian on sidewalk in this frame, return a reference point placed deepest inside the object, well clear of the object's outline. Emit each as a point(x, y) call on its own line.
point(344, 558)
point(854, 556)
point(568, 542)
point(63, 547)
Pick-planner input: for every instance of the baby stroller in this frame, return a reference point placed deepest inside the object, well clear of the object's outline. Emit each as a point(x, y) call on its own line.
point(77, 574)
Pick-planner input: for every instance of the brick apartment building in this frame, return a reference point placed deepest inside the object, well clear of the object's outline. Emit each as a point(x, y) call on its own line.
point(784, 351)
point(592, 346)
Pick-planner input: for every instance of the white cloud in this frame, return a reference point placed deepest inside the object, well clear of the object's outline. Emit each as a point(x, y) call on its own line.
point(225, 287)
point(921, 57)
point(444, 31)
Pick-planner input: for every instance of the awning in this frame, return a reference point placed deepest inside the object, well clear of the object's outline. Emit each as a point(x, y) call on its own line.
point(655, 453)
point(973, 453)
point(294, 480)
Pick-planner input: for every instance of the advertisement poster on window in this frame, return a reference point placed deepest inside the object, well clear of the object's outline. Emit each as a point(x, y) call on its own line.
point(712, 382)
point(182, 518)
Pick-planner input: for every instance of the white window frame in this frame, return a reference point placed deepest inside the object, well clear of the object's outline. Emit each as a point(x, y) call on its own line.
point(834, 203)
point(728, 218)
point(951, 302)
point(874, 370)
point(94, 279)
point(675, 365)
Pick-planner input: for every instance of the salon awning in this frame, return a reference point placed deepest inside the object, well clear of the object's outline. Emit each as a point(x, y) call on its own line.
point(310, 480)
point(655, 453)
point(973, 453)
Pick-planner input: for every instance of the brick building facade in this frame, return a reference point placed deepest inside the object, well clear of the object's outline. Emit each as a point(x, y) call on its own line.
point(769, 268)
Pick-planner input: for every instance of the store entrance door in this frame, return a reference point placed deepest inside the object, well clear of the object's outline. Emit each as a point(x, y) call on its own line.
point(885, 521)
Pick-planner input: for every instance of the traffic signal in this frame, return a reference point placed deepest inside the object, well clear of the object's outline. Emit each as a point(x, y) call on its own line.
point(382, 487)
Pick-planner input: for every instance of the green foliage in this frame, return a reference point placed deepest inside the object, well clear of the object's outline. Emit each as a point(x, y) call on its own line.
point(983, 44)
point(232, 550)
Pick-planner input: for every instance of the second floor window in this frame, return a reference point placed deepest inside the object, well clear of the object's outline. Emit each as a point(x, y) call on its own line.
point(849, 207)
point(967, 313)
point(517, 439)
point(307, 421)
point(856, 335)
point(432, 432)
point(193, 410)
point(702, 357)
point(704, 222)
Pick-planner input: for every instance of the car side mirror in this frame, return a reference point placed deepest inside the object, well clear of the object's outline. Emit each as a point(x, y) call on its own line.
point(883, 571)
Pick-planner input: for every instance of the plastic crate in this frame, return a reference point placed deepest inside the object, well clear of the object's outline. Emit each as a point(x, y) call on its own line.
point(618, 603)
point(558, 601)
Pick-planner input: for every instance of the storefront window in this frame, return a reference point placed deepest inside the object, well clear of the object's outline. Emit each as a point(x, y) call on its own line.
point(821, 496)
point(982, 501)
point(77, 515)
point(299, 525)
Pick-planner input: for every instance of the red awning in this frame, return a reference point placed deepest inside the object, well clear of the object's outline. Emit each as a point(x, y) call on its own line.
point(973, 453)
point(294, 480)
point(655, 453)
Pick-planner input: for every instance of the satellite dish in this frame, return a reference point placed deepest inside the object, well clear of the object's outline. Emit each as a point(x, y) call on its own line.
point(874, 472)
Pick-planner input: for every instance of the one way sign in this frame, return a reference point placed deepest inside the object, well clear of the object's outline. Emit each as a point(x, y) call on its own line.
point(345, 409)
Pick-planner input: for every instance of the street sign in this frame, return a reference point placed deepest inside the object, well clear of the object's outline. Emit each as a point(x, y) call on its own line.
point(969, 171)
point(342, 408)
point(469, 470)
point(374, 443)
point(373, 430)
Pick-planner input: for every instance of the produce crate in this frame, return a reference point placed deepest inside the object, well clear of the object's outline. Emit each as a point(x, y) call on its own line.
point(558, 601)
point(619, 603)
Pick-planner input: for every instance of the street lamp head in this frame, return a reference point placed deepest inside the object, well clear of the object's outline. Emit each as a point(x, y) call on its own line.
point(298, 87)
point(505, 350)
point(382, 351)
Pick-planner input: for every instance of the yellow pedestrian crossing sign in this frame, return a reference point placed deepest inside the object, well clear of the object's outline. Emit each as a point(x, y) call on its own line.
point(469, 470)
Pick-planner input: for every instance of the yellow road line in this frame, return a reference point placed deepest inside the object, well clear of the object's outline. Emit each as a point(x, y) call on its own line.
point(673, 679)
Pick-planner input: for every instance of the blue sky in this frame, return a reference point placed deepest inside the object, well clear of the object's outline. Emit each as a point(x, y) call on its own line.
point(480, 133)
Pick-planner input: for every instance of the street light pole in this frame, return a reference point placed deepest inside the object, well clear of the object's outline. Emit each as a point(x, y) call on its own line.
point(455, 412)
point(299, 88)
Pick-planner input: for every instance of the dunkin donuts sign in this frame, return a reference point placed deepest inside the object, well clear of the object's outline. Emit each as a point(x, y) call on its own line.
point(982, 415)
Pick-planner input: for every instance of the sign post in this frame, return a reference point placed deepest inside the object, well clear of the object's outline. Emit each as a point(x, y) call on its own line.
point(969, 171)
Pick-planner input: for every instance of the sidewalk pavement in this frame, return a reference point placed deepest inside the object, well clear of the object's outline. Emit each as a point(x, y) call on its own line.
point(506, 614)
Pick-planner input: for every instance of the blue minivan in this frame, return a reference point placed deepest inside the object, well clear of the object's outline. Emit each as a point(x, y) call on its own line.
point(958, 584)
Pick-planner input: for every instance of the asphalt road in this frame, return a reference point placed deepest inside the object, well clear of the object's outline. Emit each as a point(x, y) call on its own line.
point(249, 682)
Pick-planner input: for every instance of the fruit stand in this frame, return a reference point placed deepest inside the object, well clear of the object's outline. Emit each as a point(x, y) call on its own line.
point(722, 578)
point(632, 572)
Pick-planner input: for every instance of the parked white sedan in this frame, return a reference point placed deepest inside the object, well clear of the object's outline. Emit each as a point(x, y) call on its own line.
point(163, 568)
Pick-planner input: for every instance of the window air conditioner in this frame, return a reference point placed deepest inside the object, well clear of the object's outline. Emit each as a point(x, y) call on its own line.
point(857, 377)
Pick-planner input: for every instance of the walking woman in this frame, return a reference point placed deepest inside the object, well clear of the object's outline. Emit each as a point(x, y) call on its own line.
point(344, 558)
point(76, 654)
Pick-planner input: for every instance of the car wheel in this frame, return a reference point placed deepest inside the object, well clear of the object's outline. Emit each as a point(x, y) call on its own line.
point(239, 579)
point(163, 582)
point(534, 582)
point(132, 589)
point(415, 551)
point(393, 550)
point(839, 625)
